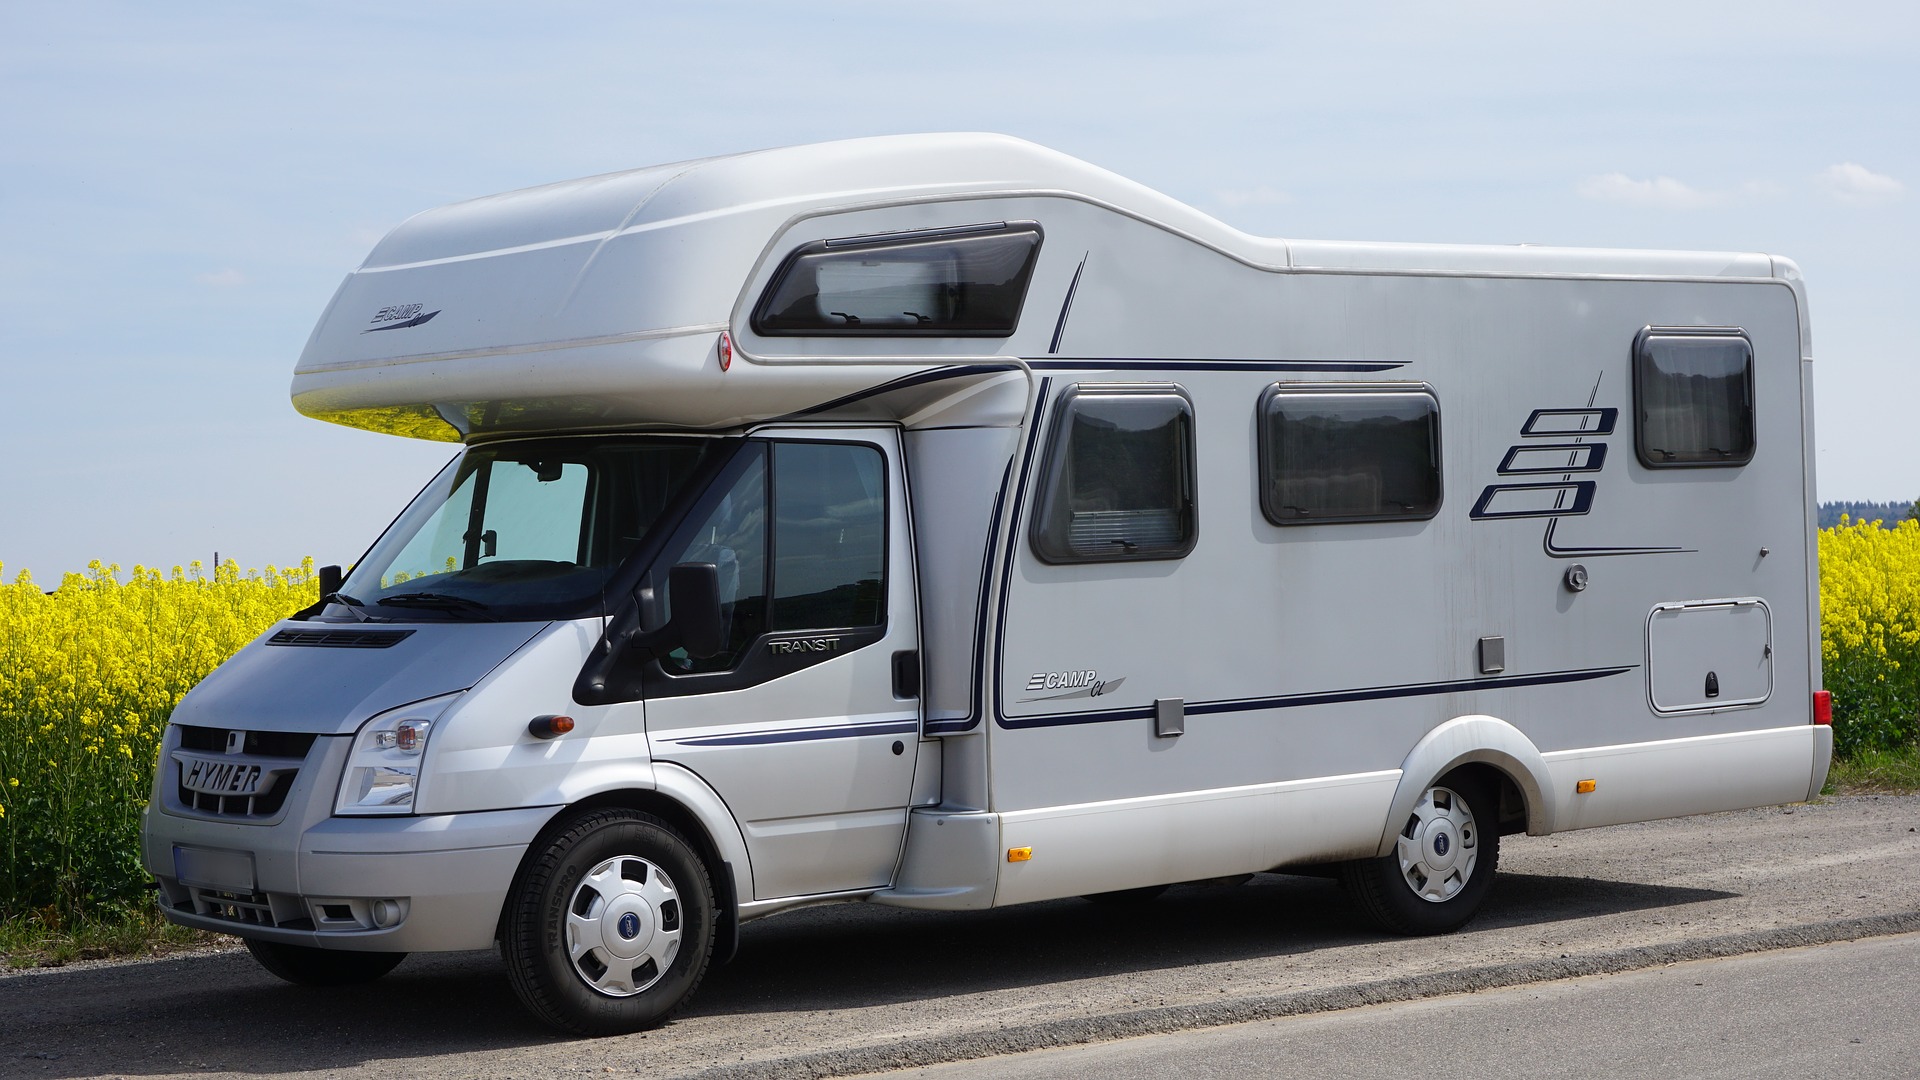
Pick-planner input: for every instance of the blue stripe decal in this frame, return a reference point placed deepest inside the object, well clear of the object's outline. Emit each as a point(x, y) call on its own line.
point(843, 731)
point(918, 378)
point(1326, 697)
point(1095, 363)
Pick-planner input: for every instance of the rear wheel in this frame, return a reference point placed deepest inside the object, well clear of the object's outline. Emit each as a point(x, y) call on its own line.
point(1442, 864)
point(308, 966)
point(611, 927)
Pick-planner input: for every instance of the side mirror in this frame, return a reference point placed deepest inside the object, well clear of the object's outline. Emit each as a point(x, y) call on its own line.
point(694, 591)
point(696, 625)
point(330, 578)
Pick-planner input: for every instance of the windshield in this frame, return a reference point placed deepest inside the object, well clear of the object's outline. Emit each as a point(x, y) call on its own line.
point(521, 530)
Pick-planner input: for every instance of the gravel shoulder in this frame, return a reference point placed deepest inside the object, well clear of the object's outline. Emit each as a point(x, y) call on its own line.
point(857, 988)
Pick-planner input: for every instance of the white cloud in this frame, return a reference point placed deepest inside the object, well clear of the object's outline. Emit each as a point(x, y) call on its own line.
point(222, 279)
point(1258, 196)
point(1661, 191)
point(1859, 185)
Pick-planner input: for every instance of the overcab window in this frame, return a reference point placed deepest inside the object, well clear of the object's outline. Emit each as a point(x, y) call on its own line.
point(1118, 482)
point(1693, 397)
point(1349, 453)
point(969, 281)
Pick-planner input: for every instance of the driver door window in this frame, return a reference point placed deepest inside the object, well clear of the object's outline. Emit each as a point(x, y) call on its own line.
point(821, 568)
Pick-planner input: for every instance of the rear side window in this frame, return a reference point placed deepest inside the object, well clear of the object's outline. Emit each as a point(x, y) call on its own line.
point(1118, 482)
point(964, 282)
point(1349, 453)
point(1693, 397)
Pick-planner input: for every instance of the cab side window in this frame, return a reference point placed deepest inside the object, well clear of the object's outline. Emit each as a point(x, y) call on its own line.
point(830, 549)
point(733, 537)
point(821, 565)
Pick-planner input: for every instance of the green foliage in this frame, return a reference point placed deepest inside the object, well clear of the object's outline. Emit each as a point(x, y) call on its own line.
point(1875, 772)
point(1870, 634)
point(88, 676)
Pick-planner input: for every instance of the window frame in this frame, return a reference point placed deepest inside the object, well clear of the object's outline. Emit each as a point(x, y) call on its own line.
point(1267, 479)
point(1048, 495)
point(1642, 356)
point(762, 309)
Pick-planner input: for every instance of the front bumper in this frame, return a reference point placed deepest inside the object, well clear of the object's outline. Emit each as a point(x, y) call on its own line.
point(305, 877)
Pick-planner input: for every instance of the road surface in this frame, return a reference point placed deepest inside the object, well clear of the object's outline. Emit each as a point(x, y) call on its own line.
point(860, 988)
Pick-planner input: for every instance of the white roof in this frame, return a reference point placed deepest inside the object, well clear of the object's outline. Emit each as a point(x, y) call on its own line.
point(535, 308)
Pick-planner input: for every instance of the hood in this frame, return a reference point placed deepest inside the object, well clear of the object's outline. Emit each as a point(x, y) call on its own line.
point(329, 678)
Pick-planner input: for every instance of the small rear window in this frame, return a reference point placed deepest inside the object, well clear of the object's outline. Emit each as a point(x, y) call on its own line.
point(965, 282)
point(1693, 390)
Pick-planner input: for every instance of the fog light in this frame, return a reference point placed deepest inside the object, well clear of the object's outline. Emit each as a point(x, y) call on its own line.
point(387, 913)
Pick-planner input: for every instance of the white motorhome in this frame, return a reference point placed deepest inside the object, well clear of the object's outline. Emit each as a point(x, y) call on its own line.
point(941, 521)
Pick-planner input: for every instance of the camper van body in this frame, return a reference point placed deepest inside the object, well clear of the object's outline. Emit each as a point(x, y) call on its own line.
point(1185, 554)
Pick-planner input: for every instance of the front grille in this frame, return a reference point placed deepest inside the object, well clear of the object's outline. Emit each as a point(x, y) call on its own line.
point(250, 909)
point(280, 744)
point(263, 804)
point(278, 755)
point(341, 639)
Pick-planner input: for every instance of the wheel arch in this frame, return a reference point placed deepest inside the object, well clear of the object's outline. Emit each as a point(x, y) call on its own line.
point(1483, 742)
point(694, 810)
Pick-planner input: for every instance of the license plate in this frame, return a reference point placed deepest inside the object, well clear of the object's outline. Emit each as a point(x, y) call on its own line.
point(217, 776)
point(209, 868)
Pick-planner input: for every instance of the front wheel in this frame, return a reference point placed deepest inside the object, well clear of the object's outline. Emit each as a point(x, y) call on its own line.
point(307, 966)
point(1442, 864)
point(611, 926)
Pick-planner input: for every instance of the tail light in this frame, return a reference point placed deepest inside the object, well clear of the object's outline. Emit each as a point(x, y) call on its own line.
point(1823, 707)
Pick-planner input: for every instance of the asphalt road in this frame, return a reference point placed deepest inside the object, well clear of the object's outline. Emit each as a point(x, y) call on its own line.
point(857, 988)
point(1847, 1009)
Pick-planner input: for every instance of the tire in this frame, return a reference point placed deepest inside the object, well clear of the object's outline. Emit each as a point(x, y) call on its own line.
point(307, 966)
point(1145, 894)
point(1442, 864)
point(610, 927)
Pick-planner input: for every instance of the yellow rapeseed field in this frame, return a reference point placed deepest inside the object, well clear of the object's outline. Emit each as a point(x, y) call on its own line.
point(88, 675)
point(1870, 633)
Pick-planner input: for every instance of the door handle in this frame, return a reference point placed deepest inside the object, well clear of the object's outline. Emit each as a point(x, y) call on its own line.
point(906, 674)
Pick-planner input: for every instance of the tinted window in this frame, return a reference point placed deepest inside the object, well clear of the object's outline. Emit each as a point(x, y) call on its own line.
point(1118, 480)
point(733, 537)
point(822, 567)
point(1348, 454)
point(967, 282)
point(829, 514)
point(1694, 396)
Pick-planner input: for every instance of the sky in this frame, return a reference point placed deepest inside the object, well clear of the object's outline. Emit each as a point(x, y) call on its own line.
point(183, 186)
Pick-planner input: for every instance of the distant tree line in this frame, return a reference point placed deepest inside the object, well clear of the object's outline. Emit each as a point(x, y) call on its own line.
point(1888, 514)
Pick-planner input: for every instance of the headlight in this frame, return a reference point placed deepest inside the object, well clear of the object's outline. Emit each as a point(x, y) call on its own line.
point(383, 772)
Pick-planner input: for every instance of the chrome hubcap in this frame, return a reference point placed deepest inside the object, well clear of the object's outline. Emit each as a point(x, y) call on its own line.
point(623, 926)
point(1439, 846)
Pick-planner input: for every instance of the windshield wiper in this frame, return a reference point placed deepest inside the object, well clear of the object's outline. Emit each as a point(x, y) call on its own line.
point(441, 601)
point(353, 606)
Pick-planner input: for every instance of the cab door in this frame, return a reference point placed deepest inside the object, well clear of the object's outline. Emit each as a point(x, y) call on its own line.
point(807, 723)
